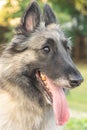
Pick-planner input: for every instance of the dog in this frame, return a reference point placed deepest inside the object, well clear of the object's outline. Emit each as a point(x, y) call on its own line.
point(35, 68)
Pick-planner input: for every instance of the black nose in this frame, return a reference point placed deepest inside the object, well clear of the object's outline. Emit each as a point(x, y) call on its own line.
point(75, 81)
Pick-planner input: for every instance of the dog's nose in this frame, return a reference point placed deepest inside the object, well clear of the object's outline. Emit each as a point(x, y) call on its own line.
point(74, 82)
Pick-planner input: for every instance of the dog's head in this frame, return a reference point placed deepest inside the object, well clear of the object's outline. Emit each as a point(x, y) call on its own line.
point(43, 53)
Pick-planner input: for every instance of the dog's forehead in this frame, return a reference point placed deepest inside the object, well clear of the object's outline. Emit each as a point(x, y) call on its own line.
point(40, 37)
point(54, 31)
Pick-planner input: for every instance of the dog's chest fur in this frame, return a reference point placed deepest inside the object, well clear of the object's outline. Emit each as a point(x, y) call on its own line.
point(18, 115)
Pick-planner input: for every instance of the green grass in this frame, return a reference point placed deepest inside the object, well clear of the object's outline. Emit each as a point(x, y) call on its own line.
point(76, 124)
point(77, 97)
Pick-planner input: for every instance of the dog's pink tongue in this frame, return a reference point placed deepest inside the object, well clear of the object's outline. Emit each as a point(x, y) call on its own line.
point(60, 106)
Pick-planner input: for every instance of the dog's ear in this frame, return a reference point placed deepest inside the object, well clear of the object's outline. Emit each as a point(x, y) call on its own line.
point(31, 17)
point(49, 16)
point(29, 22)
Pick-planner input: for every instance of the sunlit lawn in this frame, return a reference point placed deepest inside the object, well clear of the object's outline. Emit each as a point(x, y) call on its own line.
point(76, 124)
point(77, 97)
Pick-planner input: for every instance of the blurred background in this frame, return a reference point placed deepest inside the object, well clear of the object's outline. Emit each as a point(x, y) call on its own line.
point(72, 16)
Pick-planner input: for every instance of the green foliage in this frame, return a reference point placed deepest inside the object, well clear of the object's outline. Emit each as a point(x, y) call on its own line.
point(76, 124)
point(72, 6)
point(9, 35)
point(22, 4)
point(81, 27)
point(65, 11)
point(61, 15)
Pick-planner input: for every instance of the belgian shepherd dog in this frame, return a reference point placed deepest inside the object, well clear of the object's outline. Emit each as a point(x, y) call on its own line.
point(35, 68)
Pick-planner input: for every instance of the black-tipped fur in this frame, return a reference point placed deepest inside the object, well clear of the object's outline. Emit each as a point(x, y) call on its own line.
point(30, 19)
point(49, 16)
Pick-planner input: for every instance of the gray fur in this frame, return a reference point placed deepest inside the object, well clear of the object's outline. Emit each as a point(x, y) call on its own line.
point(49, 16)
point(22, 102)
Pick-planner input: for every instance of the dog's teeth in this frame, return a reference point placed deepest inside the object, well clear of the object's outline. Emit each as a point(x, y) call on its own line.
point(43, 77)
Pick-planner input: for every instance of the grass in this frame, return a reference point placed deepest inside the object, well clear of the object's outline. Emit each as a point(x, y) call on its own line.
point(76, 124)
point(77, 97)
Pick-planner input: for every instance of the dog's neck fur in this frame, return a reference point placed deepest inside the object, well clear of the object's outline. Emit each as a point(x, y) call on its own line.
point(18, 113)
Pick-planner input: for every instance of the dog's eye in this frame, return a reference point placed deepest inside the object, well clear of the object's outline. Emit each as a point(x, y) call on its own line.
point(46, 49)
point(68, 48)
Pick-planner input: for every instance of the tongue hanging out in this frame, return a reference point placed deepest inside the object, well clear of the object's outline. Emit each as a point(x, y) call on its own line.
point(60, 106)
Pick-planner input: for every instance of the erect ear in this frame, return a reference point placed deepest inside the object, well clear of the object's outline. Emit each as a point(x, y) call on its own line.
point(49, 16)
point(31, 17)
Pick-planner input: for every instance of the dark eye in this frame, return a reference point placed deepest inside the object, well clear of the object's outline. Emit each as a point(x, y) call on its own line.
point(68, 48)
point(46, 49)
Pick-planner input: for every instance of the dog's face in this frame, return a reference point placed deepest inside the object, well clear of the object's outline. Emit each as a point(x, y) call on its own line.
point(44, 54)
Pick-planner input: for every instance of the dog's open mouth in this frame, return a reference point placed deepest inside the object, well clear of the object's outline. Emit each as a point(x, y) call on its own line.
point(42, 79)
point(55, 94)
